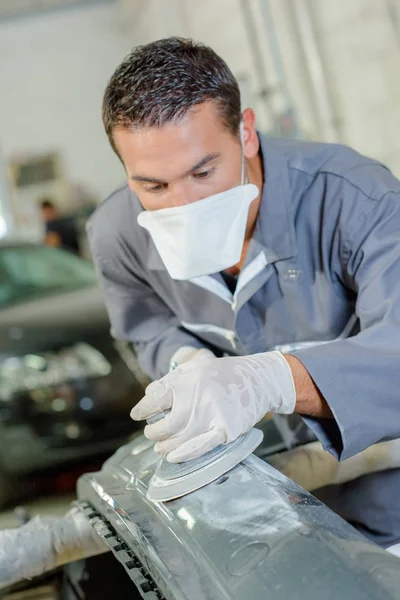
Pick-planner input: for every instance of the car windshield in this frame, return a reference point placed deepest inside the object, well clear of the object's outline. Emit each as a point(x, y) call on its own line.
point(30, 272)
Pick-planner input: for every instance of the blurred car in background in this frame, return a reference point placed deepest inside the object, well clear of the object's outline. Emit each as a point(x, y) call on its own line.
point(66, 387)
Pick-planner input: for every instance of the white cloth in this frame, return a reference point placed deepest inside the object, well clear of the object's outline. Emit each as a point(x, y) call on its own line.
point(42, 545)
point(214, 401)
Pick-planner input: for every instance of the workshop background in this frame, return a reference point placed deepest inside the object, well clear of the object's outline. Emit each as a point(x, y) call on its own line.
point(311, 69)
point(314, 69)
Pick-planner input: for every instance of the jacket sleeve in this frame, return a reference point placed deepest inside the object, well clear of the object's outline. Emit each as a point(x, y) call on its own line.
point(138, 314)
point(360, 376)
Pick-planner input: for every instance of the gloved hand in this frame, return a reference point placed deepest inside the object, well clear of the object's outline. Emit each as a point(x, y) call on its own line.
point(213, 401)
point(185, 353)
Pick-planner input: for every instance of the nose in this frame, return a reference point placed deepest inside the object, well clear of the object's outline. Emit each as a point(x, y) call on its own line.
point(182, 193)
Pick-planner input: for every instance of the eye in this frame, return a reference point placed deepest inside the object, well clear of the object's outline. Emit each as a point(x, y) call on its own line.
point(155, 188)
point(203, 174)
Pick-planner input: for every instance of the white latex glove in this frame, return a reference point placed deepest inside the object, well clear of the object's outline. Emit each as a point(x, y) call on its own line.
point(213, 401)
point(186, 353)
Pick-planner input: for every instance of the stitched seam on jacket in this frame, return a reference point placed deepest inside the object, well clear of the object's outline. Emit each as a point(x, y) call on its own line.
point(315, 175)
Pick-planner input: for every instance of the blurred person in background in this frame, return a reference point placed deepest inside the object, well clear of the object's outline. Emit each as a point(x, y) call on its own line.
point(60, 231)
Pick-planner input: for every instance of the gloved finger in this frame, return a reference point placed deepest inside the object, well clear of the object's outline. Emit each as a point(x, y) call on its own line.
point(202, 354)
point(158, 397)
point(197, 446)
point(161, 430)
point(180, 437)
point(180, 448)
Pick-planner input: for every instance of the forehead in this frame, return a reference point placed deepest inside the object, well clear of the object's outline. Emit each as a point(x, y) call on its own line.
point(175, 145)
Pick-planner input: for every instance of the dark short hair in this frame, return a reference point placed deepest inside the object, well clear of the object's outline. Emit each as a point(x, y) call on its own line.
point(159, 82)
point(46, 203)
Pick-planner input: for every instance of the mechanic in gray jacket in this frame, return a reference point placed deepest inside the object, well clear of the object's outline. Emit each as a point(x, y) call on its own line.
point(268, 269)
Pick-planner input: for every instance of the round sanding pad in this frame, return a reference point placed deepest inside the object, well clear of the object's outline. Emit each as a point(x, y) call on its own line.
point(171, 481)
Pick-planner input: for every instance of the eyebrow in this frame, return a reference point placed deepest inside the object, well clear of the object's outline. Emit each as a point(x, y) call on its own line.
point(208, 158)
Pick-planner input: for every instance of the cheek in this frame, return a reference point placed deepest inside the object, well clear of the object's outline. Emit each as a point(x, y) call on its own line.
point(232, 166)
point(145, 203)
point(220, 181)
point(143, 197)
point(228, 176)
point(154, 201)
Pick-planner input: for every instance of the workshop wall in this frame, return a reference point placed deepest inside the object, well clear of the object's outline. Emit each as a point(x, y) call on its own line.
point(315, 68)
point(359, 43)
point(53, 71)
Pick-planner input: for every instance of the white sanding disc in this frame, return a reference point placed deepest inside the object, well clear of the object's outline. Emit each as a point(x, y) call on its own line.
point(171, 481)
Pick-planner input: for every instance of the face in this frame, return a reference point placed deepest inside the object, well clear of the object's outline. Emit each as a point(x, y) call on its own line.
point(186, 161)
point(49, 213)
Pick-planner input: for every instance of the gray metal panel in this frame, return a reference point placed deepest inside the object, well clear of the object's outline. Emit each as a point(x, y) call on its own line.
point(251, 535)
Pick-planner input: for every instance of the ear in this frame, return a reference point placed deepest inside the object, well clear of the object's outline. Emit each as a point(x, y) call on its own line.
point(251, 141)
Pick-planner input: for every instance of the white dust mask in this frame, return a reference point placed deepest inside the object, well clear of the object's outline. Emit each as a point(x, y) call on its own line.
point(202, 237)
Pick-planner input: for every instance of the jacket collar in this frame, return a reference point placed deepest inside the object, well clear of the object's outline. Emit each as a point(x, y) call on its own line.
point(274, 233)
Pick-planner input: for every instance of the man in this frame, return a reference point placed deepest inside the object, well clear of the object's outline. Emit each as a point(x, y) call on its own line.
point(282, 258)
point(60, 231)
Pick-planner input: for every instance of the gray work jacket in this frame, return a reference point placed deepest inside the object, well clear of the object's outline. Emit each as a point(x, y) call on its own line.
point(321, 280)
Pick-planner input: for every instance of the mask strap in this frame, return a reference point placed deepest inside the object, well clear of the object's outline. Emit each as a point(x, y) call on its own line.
point(244, 179)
